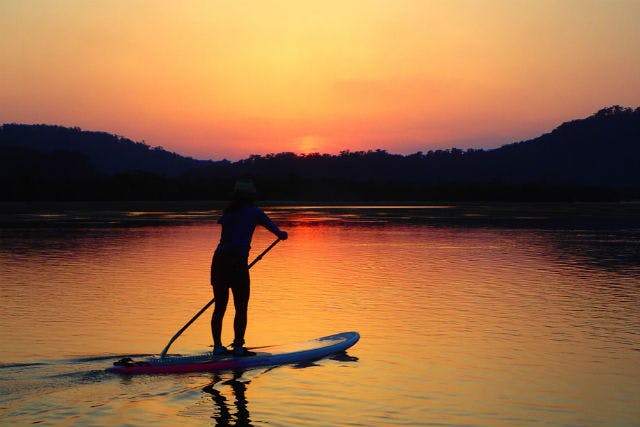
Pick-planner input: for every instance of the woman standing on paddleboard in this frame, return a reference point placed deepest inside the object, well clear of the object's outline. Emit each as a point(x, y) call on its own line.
point(229, 268)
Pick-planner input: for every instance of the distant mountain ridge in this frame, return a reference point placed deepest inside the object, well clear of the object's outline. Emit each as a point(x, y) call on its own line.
point(107, 153)
point(600, 152)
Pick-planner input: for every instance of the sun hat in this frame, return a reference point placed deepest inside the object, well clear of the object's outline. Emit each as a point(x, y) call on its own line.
point(244, 188)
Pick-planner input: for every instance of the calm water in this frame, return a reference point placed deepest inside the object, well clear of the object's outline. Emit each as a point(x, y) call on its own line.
point(469, 316)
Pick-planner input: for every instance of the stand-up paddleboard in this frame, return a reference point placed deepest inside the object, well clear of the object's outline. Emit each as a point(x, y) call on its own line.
point(265, 356)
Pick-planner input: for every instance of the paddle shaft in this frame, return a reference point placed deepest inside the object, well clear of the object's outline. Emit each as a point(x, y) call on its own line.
point(203, 309)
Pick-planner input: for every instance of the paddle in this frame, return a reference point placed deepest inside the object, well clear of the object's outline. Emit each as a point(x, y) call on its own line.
point(203, 309)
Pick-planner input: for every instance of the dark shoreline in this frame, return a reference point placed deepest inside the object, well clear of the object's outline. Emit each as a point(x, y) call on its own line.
point(491, 214)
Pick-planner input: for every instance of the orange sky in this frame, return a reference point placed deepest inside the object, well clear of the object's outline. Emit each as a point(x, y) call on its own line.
point(215, 79)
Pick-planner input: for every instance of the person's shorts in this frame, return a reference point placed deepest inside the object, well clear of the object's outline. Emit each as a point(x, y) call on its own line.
point(229, 271)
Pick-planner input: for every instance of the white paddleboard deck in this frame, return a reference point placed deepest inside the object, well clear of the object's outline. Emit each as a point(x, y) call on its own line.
point(265, 356)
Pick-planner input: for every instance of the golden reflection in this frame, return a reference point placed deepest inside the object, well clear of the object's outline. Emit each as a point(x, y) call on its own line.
point(466, 320)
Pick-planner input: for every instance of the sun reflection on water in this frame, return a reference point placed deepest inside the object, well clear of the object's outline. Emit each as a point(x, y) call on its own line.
point(463, 325)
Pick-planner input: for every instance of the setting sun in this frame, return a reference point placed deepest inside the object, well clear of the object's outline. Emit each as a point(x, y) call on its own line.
point(309, 144)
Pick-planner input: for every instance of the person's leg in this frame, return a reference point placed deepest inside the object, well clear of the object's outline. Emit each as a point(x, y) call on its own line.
point(221, 295)
point(241, 293)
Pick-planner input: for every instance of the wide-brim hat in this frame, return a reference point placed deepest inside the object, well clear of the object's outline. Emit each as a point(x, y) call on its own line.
point(244, 188)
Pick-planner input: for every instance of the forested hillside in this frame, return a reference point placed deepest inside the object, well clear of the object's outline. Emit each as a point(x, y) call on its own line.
point(595, 158)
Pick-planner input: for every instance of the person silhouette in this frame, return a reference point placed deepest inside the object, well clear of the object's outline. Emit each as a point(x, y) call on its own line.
point(229, 269)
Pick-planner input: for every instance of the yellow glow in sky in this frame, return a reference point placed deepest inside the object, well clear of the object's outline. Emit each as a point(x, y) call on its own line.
point(217, 79)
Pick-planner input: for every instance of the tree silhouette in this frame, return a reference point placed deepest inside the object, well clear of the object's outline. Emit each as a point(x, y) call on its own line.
point(595, 158)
